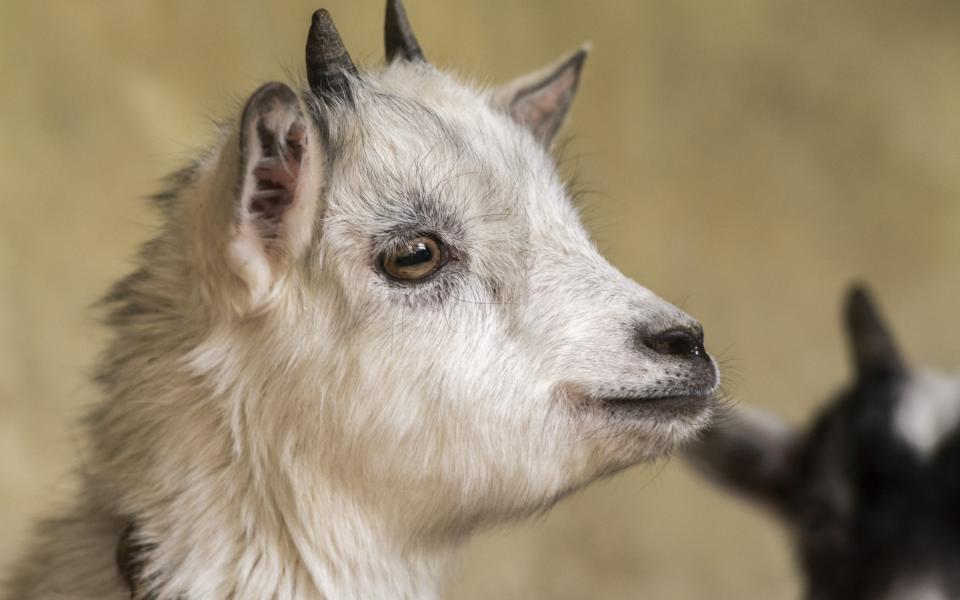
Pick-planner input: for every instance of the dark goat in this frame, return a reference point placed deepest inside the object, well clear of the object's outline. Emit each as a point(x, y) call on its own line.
point(872, 489)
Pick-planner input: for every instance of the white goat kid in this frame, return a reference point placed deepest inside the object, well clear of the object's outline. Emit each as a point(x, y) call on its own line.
point(371, 324)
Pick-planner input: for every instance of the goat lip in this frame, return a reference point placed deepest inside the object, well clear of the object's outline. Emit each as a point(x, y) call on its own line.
point(685, 404)
point(655, 399)
point(691, 396)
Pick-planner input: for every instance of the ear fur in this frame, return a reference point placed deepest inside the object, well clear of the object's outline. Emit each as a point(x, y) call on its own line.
point(279, 182)
point(871, 343)
point(541, 100)
point(749, 452)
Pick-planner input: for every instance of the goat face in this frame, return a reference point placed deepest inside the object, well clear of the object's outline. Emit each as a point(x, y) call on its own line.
point(871, 490)
point(402, 270)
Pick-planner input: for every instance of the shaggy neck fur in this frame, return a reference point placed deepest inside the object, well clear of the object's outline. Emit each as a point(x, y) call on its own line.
point(226, 491)
point(285, 553)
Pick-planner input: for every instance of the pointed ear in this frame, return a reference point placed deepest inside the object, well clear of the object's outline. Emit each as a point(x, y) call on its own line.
point(279, 183)
point(872, 346)
point(540, 101)
point(749, 452)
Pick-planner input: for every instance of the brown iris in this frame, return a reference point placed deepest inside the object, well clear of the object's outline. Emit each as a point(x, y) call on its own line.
point(414, 260)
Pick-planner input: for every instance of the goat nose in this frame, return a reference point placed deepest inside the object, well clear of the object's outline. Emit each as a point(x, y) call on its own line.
point(679, 341)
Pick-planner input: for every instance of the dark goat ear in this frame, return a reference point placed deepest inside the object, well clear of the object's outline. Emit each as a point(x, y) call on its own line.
point(749, 452)
point(329, 66)
point(873, 348)
point(540, 101)
point(398, 37)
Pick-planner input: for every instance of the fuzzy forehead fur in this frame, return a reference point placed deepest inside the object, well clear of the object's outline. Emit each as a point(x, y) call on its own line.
point(418, 148)
point(418, 151)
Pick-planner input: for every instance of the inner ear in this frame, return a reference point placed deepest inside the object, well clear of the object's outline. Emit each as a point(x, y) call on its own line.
point(280, 178)
point(274, 145)
point(540, 101)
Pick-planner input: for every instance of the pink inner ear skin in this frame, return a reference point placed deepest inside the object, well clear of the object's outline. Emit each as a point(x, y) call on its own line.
point(276, 175)
point(543, 108)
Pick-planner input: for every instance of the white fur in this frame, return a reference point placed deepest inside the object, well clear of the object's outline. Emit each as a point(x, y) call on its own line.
point(928, 411)
point(341, 437)
point(925, 586)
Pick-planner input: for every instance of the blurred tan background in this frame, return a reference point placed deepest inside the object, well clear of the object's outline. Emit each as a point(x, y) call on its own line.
point(747, 159)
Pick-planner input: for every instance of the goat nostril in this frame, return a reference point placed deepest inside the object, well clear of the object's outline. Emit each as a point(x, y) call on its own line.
point(677, 342)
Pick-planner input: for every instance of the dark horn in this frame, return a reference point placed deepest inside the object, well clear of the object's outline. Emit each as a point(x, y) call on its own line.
point(328, 62)
point(398, 35)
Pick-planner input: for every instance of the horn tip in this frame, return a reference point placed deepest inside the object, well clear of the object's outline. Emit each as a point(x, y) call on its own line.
point(328, 63)
point(321, 22)
point(395, 7)
point(399, 39)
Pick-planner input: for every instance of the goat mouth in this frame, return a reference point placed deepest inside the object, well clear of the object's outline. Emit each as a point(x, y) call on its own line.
point(689, 404)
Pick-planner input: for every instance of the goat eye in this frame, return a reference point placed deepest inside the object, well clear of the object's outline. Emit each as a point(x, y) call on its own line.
point(415, 260)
